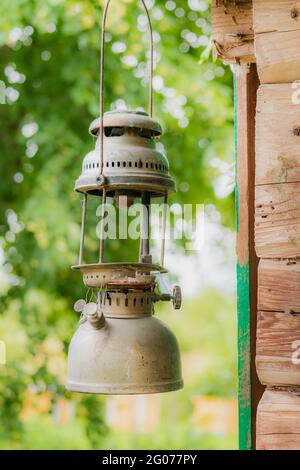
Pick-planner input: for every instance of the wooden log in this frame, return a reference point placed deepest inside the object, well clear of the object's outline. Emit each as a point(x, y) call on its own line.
point(277, 35)
point(279, 285)
point(278, 56)
point(232, 30)
point(278, 348)
point(278, 421)
point(277, 220)
point(276, 15)
point(277, 134)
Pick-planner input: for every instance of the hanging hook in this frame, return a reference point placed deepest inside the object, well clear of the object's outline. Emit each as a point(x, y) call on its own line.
point(102, 64)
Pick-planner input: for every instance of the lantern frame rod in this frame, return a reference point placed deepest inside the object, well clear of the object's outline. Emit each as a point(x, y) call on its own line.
point(102, 66)
point(82, 231)
point(101, 236)
point(145, 233)
point(164, 225)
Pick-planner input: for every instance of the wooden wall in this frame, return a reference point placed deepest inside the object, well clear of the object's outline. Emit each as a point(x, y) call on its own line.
point(271, 30)
point(276, 25)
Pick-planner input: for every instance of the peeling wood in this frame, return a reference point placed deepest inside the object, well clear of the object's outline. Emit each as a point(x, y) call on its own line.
point(232, 31)
point(245, 110)
point(249, 388)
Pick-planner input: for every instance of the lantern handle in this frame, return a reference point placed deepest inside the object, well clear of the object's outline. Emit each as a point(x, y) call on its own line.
point(102, 63)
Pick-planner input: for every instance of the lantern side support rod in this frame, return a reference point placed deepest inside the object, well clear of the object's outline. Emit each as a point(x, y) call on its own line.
point(145, 236)
point(101, 237)
point(82, 232)
point(164, 225)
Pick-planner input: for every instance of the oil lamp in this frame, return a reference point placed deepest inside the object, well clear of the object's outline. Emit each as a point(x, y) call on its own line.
point(120, 347)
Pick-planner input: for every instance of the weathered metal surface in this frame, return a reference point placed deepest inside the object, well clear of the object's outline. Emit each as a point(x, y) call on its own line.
point(126, 118)
point(117, 274)
point(127, 356)
point(131, 160)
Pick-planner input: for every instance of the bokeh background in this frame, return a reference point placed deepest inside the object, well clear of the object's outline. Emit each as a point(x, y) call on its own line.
point(49, 62)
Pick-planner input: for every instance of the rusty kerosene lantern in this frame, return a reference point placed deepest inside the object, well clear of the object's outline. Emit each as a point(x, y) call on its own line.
point(119, 346)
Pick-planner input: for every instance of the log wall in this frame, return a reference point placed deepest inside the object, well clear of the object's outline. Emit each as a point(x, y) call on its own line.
point(276, 25)
point(269, 32)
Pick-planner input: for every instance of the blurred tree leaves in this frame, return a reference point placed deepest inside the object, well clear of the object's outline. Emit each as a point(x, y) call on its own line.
point(49, 61)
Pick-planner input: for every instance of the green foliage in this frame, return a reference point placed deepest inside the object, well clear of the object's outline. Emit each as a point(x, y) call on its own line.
point(183, 437)
point(206, 328)
point(42, 433)
point(91, 412)
point(49, 60)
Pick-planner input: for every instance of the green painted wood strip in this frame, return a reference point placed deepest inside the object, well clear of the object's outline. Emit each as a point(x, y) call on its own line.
point(244, 344)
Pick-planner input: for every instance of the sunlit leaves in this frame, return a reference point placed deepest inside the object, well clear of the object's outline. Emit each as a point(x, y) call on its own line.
point(49, 61)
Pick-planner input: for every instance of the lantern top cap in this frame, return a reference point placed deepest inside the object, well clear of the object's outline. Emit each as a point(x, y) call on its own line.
point(126, 118)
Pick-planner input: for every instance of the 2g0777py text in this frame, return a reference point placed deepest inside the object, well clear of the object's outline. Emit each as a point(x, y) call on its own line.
point(150, 459)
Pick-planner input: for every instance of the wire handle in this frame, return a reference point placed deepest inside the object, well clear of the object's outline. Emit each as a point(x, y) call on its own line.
point(102, 64)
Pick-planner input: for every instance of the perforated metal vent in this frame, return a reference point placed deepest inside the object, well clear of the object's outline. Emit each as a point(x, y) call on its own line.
point(127, 305)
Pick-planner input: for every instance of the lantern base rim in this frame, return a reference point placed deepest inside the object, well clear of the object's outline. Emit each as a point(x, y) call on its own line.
point(133, 267)
point(134, 184)
point(118, 275)
point(122, 389)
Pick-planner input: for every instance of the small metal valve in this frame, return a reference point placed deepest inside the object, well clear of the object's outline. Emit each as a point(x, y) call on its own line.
point(89, 312)
point(176, 297)
point(78, 308)
point(79, 305)
point(94, 315)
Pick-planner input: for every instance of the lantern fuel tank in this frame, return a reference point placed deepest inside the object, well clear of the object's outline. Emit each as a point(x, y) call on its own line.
point(127, 351)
